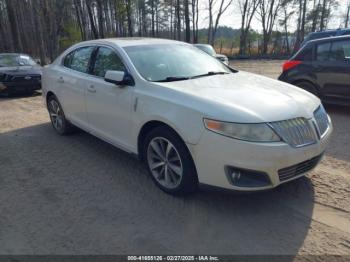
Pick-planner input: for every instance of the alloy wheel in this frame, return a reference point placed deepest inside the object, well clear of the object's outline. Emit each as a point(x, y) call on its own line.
point(164, 162)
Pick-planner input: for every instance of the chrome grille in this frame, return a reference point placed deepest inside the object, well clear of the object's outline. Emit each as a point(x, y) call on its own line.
point(322, 121)
point(296, 132)
point(298, 169)
point(22, 78)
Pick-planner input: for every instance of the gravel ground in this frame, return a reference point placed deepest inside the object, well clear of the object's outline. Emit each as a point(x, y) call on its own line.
point(79, 195)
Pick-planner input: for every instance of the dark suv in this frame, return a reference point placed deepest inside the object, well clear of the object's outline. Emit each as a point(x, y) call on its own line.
point(322, 67)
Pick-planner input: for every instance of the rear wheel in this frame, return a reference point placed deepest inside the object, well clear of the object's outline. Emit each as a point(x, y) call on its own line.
point(169, 162)
point(58, 119)
point(308, 87)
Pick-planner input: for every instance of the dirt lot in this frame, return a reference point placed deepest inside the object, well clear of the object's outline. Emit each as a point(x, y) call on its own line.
point(79, 195)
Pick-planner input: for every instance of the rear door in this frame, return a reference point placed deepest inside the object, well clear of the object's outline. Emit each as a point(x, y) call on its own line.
point(72, 77)
point(340, 58)
point(333, 69)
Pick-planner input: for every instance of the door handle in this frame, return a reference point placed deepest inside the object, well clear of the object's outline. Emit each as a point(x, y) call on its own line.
point(91, 89)
point(60, 80)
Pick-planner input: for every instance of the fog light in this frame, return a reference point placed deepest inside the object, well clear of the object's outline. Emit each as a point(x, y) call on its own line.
point(2, 87)
point(246, 178)
point(236, 175)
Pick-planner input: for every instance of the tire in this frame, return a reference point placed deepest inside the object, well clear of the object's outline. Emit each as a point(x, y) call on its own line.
point(57, 117)
point(308, 87)
point(169, 162)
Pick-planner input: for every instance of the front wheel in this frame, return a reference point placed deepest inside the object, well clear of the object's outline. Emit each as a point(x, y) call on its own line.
point(169, 162)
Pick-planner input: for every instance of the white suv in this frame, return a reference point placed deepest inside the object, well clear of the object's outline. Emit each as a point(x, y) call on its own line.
point(192, 119)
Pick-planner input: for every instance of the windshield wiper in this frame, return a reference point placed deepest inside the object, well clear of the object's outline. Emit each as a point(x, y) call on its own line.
point(173, 78)
point(211, 73)
point(180, 78)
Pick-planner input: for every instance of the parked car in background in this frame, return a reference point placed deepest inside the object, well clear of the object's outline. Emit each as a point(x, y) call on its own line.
point(19, 73)
point(325, 34)
point(211, 51)
point(322, 67)
point(192, 119)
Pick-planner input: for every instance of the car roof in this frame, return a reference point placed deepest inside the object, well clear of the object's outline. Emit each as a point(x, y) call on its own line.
point(132, 41)
point(330, 31)
point(329, 39)
point(326, 32)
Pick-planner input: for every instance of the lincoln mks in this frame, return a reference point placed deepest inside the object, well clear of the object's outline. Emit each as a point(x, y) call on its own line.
point(193, 120)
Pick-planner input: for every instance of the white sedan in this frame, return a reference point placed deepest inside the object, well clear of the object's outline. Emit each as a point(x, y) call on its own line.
point(193, 120)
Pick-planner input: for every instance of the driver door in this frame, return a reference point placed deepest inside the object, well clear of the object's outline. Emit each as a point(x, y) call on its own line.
point(109, 106)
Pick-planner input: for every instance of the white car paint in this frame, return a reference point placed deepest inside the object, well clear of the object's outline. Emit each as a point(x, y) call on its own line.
point(117, 114)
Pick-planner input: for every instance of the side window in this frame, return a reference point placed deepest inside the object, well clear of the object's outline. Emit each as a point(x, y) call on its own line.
point(107, 59)
point(68, 59)
point(79, 60)
point(323, 51)
point(305, 54)
point(340, 51)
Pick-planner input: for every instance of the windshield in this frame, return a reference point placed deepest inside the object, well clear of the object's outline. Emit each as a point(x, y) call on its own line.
point(207, 48)
point(173, 61)
point(11, 60)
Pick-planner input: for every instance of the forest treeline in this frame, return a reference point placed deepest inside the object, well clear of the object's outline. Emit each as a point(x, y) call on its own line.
point(43, 28)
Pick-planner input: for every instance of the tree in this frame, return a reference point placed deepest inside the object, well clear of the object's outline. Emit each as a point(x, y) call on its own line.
point(287, 13)
point(91, 19)
point(187, 22)
point(247, 9)
point(55, 25)
point(268, 11)
point(195, 12)
point(347, 16)
point(314, 15)
point(214, 21)
point(128, 5)
point(323, 15)
point(300, 34)
point(178, 19)
point(326, 10)
point(12, 17)
point(100, 18)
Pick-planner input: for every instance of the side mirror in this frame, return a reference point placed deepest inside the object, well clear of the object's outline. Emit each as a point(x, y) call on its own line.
point(38, 61)
point(119, 78)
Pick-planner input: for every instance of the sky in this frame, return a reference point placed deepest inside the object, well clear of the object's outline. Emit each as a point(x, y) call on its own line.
point(232, 17)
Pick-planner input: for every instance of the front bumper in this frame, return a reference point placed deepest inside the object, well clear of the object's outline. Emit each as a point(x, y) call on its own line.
point(18, 87)
point(214, 153)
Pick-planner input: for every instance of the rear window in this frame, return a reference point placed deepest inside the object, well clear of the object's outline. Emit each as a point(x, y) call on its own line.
point(79, 59)
point(323, 51)
point(340, 51)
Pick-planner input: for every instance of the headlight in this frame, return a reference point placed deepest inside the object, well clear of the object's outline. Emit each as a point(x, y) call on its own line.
point(247, 132)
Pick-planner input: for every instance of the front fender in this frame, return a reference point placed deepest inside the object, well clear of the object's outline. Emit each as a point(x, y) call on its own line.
point(187, 122)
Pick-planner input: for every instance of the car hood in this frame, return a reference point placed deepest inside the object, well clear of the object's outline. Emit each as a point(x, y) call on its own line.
point(244, 97)
point(21, 70)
